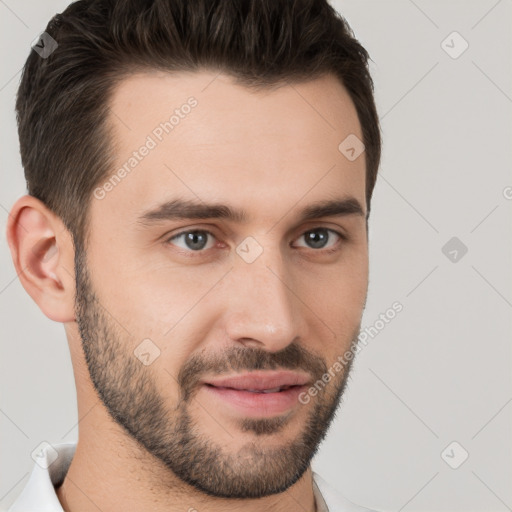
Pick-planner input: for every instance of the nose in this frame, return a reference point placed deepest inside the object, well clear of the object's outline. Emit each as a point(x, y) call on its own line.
point(263, 308)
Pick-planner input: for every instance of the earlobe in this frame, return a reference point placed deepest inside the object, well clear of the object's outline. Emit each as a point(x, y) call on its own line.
point(43, 255)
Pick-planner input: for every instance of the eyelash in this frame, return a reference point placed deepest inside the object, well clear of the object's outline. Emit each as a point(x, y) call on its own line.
point(192, 254)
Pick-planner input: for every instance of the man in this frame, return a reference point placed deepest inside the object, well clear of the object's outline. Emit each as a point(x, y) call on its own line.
point(199, 178)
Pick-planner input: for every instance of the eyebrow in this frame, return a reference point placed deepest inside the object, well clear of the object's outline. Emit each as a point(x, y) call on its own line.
point(178, 209)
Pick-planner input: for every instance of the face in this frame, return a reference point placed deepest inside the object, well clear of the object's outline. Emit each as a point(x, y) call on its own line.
point(225, 274)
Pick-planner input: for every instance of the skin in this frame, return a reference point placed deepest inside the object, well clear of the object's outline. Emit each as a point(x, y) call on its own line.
point(270, 153)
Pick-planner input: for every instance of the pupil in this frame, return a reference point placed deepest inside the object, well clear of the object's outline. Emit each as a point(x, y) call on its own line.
point(318, 238)
point(195, 240)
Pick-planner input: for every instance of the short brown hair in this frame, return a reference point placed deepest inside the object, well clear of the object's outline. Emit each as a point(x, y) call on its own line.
point(62, 101)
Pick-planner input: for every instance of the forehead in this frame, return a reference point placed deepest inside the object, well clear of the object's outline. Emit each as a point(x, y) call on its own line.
point(200, 136)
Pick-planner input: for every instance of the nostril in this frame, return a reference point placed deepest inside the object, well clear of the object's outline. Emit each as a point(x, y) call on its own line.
point(250, 343)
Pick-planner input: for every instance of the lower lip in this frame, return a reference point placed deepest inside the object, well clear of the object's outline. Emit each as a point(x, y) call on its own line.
point(257, 404)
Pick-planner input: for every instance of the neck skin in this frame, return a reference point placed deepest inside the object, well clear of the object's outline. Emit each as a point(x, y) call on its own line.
point(108, 464)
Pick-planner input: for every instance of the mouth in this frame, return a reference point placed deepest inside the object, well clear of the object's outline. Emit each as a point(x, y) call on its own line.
point(277, 389)
point(261, 381)
point(258, 394)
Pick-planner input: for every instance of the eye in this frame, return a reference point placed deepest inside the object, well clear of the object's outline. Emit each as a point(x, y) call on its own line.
point(195, 240)
point(321, 238)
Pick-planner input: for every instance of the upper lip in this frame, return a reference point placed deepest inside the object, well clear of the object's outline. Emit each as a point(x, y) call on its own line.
point(260, 380)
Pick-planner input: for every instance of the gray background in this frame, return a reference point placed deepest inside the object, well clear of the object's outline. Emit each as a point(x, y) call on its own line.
point(440, 371)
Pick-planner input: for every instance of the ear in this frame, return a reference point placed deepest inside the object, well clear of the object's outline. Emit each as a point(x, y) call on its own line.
point(42, 251)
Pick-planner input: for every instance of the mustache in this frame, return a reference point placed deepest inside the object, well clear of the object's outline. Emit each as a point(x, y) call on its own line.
point(238, 359)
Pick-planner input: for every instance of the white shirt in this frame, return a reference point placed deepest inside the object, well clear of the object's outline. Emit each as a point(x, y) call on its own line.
point(39, 494)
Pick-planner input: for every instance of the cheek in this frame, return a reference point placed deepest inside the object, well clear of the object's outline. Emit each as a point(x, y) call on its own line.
point(342, 284)
point(338, 297)
point(172, 301)
point(150, 298)
point(340, 306)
